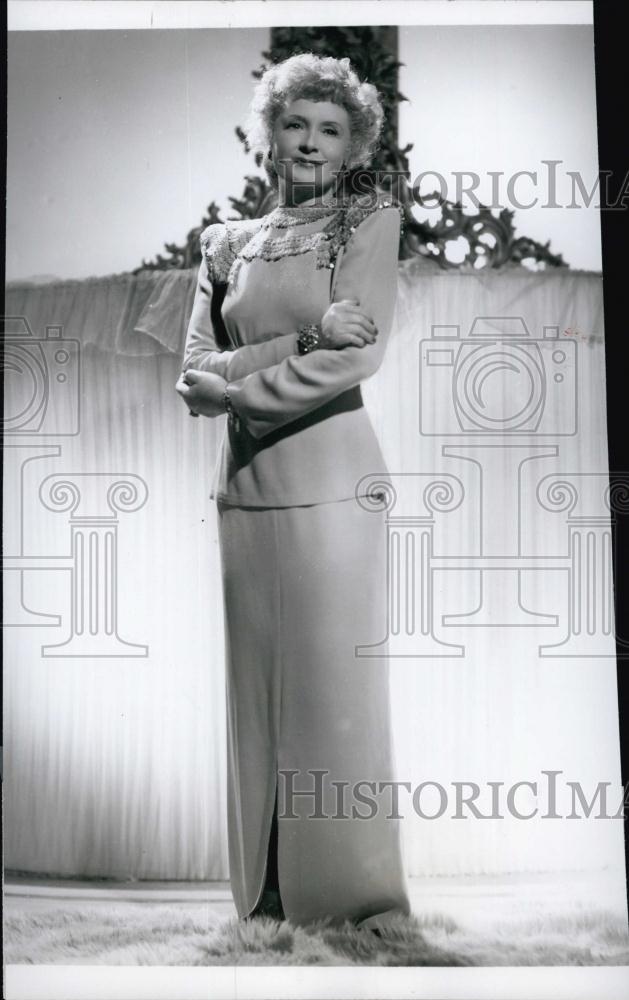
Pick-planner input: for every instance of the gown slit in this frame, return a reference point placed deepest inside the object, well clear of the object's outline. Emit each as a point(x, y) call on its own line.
point(271, 880)
point(270, 873)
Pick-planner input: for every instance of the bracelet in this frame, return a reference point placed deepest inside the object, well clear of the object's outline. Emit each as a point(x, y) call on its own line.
point(309, 338)
point(232, 416)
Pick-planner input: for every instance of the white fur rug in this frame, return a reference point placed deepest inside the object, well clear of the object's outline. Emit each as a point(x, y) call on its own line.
point(190, 934)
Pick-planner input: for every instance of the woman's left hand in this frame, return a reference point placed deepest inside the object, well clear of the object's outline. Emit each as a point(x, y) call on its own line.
point(202, 392)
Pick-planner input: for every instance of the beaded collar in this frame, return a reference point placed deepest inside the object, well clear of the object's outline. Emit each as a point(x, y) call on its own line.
point(286, 216)
point(226, 245)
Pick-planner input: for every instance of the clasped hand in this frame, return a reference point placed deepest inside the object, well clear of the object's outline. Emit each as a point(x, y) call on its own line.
point(346, 325)
point(202, 392)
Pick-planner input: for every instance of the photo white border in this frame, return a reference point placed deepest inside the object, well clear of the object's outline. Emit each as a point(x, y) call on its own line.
point(79, 982)
point(60, 15)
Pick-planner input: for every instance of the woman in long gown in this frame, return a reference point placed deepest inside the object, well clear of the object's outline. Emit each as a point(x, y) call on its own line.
point(291, 313)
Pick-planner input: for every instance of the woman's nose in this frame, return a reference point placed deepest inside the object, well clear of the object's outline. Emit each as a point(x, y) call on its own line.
point(309, 142)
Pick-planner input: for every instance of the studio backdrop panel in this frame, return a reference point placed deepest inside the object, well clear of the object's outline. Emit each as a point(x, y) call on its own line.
point(490, 406)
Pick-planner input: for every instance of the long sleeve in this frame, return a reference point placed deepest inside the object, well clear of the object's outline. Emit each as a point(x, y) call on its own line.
point(367, 272)
point(202, 352)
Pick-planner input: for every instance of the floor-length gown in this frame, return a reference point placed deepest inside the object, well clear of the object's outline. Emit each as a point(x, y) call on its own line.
point(303, 556)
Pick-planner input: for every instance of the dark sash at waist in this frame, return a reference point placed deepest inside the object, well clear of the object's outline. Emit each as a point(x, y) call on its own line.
point(351, 399)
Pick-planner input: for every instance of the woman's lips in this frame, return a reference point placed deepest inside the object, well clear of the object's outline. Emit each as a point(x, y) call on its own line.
point(310, 163)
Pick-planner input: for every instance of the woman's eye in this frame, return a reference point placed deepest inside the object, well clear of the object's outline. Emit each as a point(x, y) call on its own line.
point(294, 125)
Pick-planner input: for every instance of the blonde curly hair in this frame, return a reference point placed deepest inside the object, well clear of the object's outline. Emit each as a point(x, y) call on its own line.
point(315, 78)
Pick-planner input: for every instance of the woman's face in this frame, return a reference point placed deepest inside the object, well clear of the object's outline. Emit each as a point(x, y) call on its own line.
point(311, 141)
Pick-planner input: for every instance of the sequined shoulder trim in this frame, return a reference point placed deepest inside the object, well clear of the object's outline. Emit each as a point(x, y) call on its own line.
point(359, 208)
point(222, 242)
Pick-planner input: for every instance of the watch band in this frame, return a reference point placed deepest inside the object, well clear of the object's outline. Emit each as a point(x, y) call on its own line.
point(232, 416)
point(309, 338)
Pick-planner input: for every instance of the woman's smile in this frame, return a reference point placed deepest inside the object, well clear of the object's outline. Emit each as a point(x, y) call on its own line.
point(311, 138)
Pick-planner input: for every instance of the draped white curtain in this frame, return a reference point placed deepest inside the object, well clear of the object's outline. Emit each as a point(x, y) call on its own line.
point(115, 754)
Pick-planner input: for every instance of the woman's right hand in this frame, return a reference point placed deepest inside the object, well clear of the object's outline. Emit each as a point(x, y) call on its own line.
point(344, 323)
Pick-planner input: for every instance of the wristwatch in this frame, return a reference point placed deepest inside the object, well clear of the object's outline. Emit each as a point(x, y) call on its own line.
point(309, 338)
